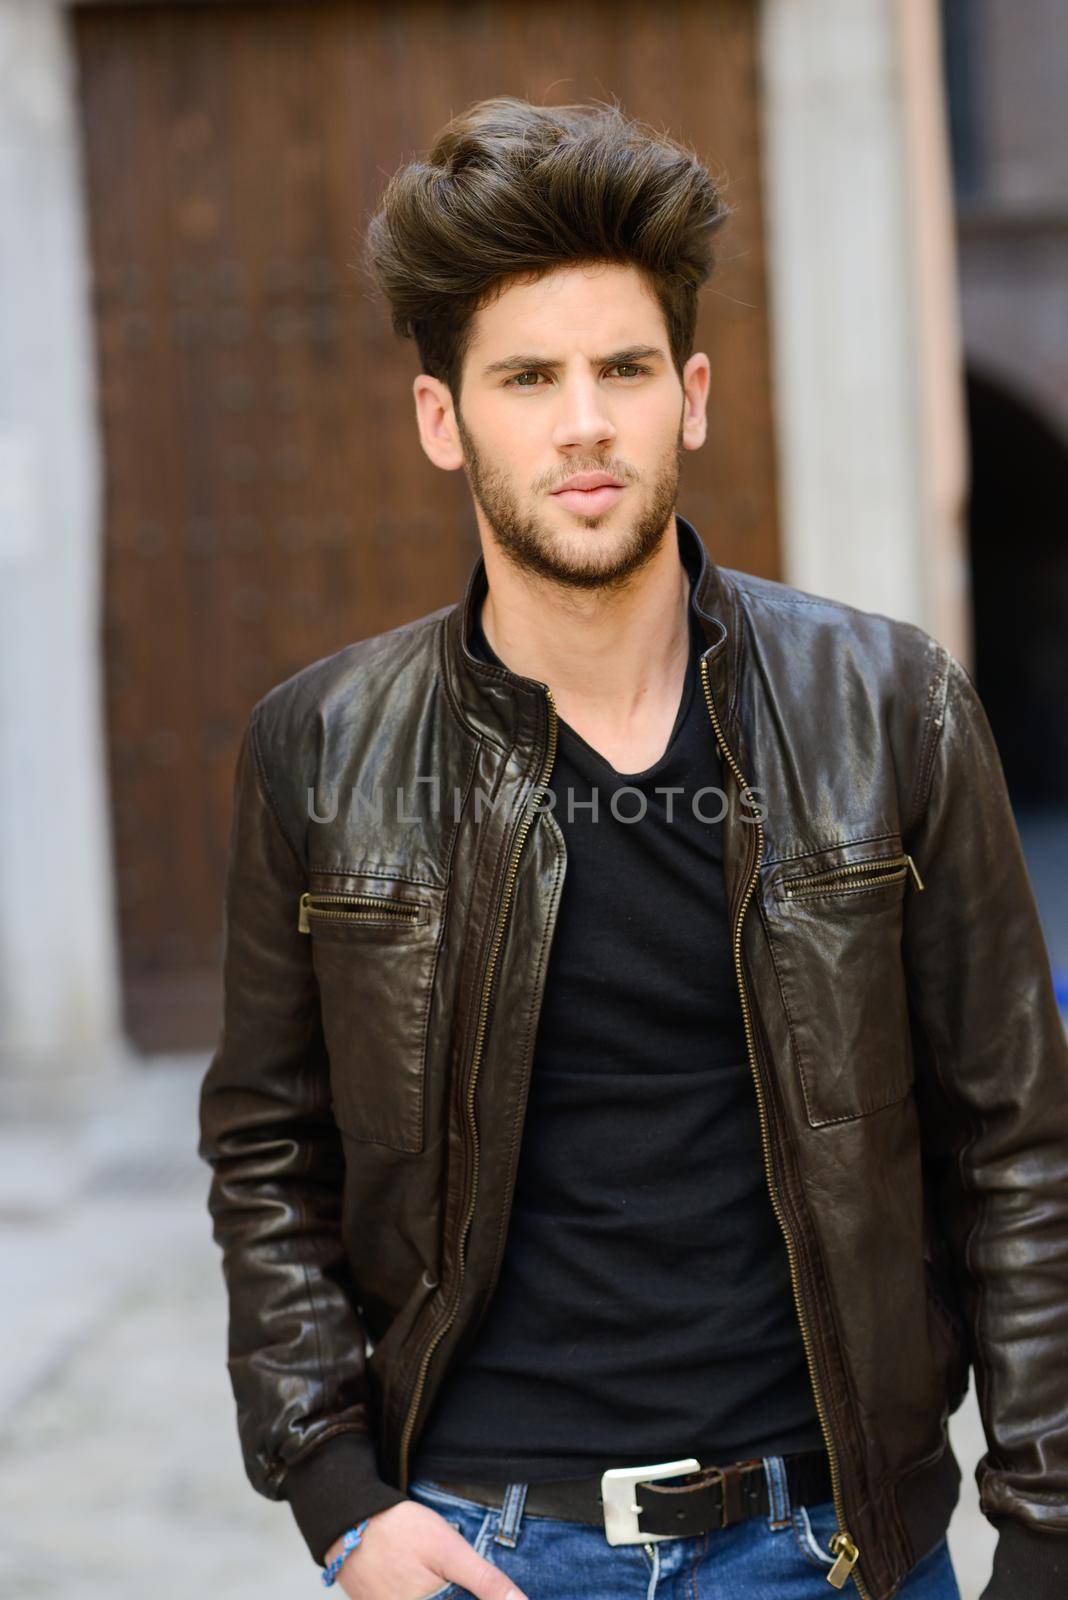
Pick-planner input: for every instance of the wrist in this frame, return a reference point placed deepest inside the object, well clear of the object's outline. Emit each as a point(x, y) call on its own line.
point(334, 1485)
point(348, 1543)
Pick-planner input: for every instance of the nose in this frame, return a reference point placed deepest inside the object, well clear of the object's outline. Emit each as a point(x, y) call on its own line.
point(582, 420)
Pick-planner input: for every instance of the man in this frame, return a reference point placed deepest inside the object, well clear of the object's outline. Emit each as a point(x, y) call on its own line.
point(624, 1143)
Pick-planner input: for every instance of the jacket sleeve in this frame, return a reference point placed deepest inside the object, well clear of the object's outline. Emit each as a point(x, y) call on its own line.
point(992, 1087)
point(296, 1345)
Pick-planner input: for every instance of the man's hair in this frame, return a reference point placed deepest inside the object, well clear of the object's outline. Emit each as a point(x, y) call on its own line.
point(512, 191)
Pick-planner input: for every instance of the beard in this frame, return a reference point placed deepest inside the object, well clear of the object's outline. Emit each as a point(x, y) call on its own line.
point(534, 547)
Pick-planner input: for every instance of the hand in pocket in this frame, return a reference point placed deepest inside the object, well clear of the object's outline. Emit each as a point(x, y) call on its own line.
point(411, 1552)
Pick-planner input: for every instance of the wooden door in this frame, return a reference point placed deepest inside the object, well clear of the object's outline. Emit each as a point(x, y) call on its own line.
point(266, 497)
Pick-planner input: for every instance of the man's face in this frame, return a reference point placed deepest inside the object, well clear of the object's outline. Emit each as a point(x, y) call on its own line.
point(573, 375)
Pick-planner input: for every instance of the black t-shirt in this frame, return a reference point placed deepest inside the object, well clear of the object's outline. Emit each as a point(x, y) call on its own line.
point(644, 1309)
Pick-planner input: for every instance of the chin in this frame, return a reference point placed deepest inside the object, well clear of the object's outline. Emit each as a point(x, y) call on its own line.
point(592, 554)
point(588, 540)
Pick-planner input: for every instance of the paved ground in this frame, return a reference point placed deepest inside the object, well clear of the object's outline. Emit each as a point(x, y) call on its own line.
point(120, 1476)
point(119, 1469)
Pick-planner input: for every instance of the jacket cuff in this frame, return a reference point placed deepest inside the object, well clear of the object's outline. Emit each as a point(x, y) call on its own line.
point(335, 1486)
point(1029, 1561)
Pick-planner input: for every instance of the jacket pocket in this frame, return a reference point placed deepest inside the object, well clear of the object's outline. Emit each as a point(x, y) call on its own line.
point(835, 928)
point(876, 872)
point(375, 942)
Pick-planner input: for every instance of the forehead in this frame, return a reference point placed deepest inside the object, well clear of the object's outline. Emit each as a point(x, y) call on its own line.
point(602, 303)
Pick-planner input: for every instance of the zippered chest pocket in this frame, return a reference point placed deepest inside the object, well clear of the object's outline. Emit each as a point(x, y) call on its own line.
point(374, 949)
point(835, 923)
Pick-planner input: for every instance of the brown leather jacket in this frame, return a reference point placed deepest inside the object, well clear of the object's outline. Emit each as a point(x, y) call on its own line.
point(391, 895)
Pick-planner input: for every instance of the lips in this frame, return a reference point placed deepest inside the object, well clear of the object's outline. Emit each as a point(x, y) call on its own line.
point(590, 502)
point(589, 481)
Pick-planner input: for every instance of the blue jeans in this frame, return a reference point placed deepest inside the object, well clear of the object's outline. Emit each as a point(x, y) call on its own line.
point(780, 1556)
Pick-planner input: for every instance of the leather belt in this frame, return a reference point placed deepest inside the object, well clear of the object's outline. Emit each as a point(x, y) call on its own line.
point(663, 1500)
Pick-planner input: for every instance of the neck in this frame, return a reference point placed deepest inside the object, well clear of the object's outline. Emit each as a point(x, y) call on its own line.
point(608, 653)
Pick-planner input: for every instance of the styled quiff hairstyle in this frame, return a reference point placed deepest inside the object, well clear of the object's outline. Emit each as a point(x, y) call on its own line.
point(512, 191)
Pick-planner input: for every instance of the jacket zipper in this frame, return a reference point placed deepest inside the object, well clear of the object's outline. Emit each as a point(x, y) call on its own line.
point(891, 869)
point(359, 908)
point(843, 1546)
point(480, 1036)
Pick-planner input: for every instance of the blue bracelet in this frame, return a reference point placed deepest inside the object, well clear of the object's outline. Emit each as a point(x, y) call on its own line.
point(352, 1539)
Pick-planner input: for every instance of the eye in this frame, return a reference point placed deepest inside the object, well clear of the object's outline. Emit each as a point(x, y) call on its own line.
point(634, 369)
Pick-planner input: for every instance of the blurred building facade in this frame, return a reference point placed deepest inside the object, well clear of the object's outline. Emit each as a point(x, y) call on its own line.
point(209, 473)
point(1009, 119)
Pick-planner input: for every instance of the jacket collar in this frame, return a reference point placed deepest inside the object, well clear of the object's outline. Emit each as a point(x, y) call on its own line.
point(508, 708)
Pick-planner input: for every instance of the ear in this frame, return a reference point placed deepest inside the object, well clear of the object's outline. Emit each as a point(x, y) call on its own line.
point(695, 380)
point(436, 418)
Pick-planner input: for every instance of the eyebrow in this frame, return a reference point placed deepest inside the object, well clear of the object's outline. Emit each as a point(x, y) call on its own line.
point(520, 363)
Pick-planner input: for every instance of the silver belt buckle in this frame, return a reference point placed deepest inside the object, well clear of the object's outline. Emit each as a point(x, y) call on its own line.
point(618, 1504)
